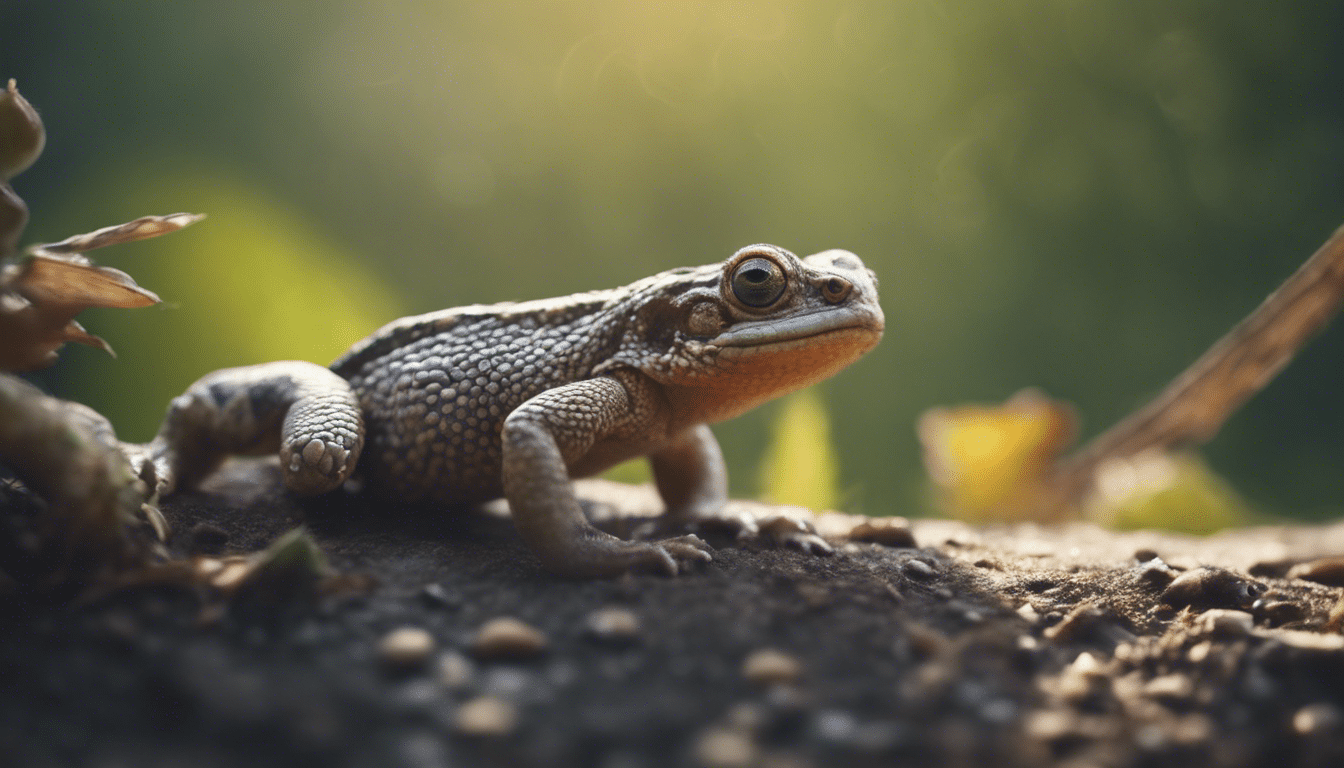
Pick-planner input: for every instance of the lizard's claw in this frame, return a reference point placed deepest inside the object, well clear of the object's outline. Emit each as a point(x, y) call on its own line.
point(603, 556)
point(785, 531)
point(689, 547)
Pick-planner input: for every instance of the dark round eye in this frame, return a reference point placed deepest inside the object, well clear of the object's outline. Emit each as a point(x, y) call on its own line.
point(758, 282)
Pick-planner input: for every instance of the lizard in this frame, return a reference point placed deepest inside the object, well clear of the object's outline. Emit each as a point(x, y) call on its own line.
point(515, 399)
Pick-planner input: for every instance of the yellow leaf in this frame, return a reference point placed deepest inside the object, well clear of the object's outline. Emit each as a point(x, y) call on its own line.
point(992, 462)
point(800, 465)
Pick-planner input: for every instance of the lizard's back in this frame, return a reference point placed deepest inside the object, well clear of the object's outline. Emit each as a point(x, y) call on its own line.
point(435, 389)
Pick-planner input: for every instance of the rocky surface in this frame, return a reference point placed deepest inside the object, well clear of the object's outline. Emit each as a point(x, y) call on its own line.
point(1015, 645)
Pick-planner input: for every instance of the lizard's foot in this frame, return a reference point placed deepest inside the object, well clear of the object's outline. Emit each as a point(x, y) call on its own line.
point(743, 528)
point(792, 533)
point(599, 555)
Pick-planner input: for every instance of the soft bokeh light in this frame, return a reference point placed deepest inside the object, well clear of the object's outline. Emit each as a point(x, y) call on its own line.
point(1075, 195)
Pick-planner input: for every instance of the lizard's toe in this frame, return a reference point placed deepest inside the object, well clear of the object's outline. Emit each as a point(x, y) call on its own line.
point(784, 531)
point(317, 464)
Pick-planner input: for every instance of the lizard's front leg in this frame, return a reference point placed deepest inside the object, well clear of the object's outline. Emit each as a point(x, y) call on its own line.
point(306, 413)
point(545, 436)
point(693, 482)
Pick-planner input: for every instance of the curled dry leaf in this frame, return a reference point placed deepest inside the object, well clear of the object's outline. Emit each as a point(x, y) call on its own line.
point(142, 228)
point(21, 133)
point(41, 293)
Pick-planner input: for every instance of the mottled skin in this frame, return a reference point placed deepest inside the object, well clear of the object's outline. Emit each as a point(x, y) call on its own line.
point(515, 399)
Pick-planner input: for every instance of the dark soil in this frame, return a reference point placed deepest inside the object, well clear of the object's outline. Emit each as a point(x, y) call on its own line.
point(996, 647)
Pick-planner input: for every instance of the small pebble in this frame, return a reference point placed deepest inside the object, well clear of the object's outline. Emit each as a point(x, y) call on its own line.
point(722, 748)
point(1079, 622)
point(768, 667)
point(1144, 555)
point(1327, 570)
point(1029, 613)
point(1155, 573)
point(1171, 687)
point(507, 638)
point(405, 647)
point(887, 531)
point(1317, 718)
point(453, 670)
point(1224, 623)
point(1210, 587)
point(918, 569)
point(1279, 612)
point(485, 717)
point(1200, 651)
point(613, 625)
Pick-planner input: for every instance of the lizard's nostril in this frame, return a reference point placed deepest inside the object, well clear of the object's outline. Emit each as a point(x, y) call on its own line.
point(836, 289)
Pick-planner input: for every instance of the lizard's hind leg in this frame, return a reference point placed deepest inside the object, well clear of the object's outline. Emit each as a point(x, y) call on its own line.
point(306, 413)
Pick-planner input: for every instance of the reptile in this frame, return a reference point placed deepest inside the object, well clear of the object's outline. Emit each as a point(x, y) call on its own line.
point(515, 399)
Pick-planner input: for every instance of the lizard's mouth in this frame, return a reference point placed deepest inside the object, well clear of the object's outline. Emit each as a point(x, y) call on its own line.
point(764, 333)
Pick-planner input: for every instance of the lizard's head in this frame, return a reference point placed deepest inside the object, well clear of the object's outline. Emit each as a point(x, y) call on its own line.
point(724, 338)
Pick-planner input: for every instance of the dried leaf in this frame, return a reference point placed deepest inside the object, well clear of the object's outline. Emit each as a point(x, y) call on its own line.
point(21, 134)
point(39, 298)
point(75, 283)
point(41, 293)
point(142, 228)
point(994, 462)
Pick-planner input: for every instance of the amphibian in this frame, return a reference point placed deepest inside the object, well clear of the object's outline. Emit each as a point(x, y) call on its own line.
point(515, 399)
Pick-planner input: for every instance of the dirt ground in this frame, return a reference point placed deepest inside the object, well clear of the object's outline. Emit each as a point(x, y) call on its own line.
point(979, 646)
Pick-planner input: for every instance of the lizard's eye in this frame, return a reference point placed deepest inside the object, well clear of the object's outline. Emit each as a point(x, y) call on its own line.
point(758, 282)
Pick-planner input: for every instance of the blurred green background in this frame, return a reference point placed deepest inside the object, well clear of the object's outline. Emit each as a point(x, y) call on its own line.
point(1079, 195)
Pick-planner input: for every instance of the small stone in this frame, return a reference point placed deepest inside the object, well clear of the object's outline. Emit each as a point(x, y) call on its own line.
point(1144, 555)
point(1028, 612)
point(486, 717)
point(722, 748)
point(453, 670)
point(1279, 612)
point(1155, 573)
point(405, 647)
point(1225, 623)
point(1210, 587)
point(1317, 718)
point(1200, 651)
point(1079, 622)
point(507, 638)
point(1169, 687)
point(1327, 570)
point(918, 569)
point(1192, 729)
point(768, 667)
point(887, 531)
point(613, 625)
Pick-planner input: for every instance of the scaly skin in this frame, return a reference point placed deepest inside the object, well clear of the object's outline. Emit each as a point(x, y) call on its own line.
point(516, 399)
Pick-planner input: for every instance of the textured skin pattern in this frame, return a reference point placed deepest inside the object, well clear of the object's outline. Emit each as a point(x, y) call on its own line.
point(516, 399)
point(305, 412)
point(436, 393)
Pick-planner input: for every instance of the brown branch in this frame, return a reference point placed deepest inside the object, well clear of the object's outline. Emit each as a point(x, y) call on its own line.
point(1195, 405)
